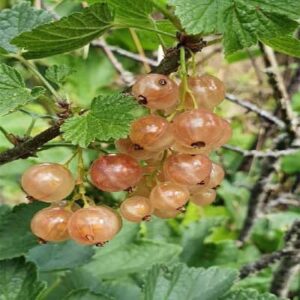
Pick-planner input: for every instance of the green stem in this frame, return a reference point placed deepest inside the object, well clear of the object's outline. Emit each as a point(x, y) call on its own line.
point(81, 173)
point(34, 70)
point(7, 135)
point(31, 125)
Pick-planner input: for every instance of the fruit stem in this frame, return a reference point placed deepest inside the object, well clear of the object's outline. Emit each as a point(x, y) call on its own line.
point(139, 48)
point(80, 179)
point(185, 87)
point(66, 164)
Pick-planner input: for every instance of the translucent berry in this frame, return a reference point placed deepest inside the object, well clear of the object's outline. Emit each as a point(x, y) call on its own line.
point(156, 91)
point(197, 128)
point(187, 169)
point(48, 182)
point(114, 173)
point(152, 133)
point(166, 214)
point(94, 225)
point(127, 147)
point(136, 209)
point(204, 197)
point(169, 196)
point(50, 224)
point(208, 90)
point(216, 176)
point(226, 134)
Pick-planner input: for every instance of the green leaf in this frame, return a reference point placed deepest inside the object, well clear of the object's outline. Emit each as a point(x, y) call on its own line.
point(284, 44)
point(18, 280)
point(18, 19)
point(15, 234)
point(290, 164)
point(58, 73)
point(13, 92)
point(131, 258)
point(67, 34)
point(248, 294)
point(242, 22)
point(132, 13)
point(193, 239)
point(110, 118)
point(60, 256)
point(182, 282)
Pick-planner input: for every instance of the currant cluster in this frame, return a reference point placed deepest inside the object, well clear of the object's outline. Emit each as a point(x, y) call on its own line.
point(162, 164)
point(173, 143)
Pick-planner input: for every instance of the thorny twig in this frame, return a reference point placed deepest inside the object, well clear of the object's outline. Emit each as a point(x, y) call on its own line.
point(252, 107)
point(260, 154)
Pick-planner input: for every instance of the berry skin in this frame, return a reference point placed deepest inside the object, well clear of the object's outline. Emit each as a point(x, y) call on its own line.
point(127, 147)
point(113, 173)
point(156, 91)
point(187, 169)
point(94, 225)
point(226, 134)
point(166, 214)
point(152, 133)
point(197, 128)
point(136, 209)
point(50, 224)
point(204, 197)
point(206, 150)
point(48, 182)
point(216, 176)
point(208, 90)
point(169, 196)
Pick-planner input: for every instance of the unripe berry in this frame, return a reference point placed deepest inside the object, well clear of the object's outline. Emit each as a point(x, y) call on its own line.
point(136, 209)
point(113, 173)
point(94, 225)
point(48, 182)
point(156, 91)
point(50, 224)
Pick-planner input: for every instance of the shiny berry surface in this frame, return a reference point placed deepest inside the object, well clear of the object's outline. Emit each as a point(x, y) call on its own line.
point(208, 90)
point(216, 176)
point(204, 197)
point(136, 209)
point(50, 224)
point(169, 196)
point(112, 173)
point(156, 91)
point(197, 128)
point(166, 214)
point(48, 182)
point(226, 133)
point(152, 133)
point(126, 146)
point(187, 169)
point(94, 225)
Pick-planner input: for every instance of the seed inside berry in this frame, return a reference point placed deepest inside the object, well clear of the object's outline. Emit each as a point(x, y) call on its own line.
point(137, 147)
